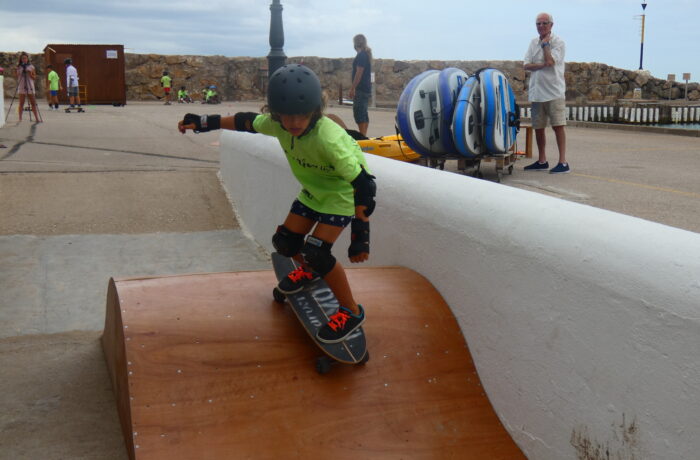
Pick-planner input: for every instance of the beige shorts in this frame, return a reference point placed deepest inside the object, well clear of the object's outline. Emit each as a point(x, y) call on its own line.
point(550, 113)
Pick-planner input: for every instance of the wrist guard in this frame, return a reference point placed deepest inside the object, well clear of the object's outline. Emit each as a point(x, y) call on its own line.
point(203, 123)
point(359, 238)
point(365, 191)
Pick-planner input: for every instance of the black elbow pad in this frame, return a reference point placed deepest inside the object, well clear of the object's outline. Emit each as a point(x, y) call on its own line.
point(365, 191)
point(243, 121)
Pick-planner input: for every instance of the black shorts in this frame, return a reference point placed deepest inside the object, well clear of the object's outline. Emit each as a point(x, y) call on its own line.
point(335, 220)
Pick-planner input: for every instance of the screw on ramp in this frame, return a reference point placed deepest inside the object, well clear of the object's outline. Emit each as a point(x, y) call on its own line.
point(210, 367)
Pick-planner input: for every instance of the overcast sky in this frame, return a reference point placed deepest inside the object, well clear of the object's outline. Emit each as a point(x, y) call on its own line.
point(606, 31)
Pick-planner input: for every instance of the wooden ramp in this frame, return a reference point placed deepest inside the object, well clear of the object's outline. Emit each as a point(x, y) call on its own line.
point(210, 367)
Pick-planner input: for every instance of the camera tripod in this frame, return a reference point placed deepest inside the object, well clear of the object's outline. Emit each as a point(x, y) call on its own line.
point(33, 106)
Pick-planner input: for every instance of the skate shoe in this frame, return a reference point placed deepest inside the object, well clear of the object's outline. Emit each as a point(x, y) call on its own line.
point(296, 280)
point(341, 325)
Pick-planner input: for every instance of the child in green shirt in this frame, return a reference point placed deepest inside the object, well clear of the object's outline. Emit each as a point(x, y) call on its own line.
point(183, 96)
point(166, 83)
point(337, 189)
point(212, 97)
point(54, 87)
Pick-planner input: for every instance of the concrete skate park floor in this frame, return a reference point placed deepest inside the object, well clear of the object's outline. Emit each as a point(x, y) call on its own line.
point(117, 191)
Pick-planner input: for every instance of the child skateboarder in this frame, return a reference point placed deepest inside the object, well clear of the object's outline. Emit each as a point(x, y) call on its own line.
point(337, 188)
point(72, 83)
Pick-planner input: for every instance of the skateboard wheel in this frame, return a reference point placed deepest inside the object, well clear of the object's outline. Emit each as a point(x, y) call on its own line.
point(365, 359)
point(278, 295)
point(323, 364)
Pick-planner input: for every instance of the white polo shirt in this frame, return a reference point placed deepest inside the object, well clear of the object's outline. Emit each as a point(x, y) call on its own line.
point(546, 84)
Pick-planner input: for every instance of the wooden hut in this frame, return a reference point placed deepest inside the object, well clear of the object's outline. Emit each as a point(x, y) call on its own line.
point(101, 69)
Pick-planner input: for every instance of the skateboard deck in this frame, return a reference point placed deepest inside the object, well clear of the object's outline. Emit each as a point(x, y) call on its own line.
point(74, 109)
point(312, 306)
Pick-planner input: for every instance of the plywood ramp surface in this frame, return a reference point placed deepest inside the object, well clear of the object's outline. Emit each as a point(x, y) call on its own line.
point(210, 367)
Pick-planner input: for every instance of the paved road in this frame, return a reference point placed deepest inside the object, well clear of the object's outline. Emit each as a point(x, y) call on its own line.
point(644, 174)
point(117, 191)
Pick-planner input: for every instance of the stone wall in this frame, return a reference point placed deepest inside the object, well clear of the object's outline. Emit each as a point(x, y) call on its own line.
point(244, 78)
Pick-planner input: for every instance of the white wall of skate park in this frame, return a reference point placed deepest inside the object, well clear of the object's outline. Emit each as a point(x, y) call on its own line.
point(584, 324)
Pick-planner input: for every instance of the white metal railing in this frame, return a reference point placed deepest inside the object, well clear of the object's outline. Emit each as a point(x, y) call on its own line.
point(626, 114)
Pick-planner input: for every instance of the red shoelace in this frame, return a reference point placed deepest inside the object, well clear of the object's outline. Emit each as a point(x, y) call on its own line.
point(300, 273)
point(338, 320)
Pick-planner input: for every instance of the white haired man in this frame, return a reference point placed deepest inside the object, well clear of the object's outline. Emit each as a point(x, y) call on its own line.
point(547, 92)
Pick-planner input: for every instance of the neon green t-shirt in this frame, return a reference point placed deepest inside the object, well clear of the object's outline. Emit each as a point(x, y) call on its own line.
point(324, 161)
point(53, 80)
point(182, 93)
point(165, 81)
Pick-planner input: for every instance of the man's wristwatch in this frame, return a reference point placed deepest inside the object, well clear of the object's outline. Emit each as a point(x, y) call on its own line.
point(544, 44)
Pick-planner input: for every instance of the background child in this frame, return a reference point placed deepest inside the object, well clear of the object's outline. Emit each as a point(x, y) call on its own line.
point(54, 87)
point(337, 189)
point(211, 96)
point(72, 83)
point(183, 96)
point(166, 83)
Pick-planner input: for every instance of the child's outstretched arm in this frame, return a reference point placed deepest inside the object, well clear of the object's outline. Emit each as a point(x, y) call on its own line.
point(242, 121)
point(365, 191)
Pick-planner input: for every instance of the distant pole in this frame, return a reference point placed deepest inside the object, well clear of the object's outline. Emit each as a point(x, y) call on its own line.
point(641, 50)
point(276, 58)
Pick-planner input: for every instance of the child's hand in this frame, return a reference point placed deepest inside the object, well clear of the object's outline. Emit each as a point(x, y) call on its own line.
point(199, 123)
point(359, 238)
point(191, 121)
point(182, 127)
point(359, 258)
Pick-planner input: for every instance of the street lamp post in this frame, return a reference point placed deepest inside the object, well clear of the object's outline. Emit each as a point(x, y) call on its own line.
point(641, 50)
point(276, 58)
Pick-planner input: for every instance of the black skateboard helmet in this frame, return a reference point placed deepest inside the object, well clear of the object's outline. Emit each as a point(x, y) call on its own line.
point(294, 89)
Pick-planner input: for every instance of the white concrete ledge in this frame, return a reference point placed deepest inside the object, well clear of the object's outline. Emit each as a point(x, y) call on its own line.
point(584, 324)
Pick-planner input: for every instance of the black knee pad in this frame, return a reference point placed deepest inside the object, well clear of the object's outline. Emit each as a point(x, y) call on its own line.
point(287, 242)
point(317, 254)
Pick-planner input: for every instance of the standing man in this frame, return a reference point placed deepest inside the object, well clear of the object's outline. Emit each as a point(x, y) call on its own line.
point(547, 91)
point(361, 88)
point(54, 87)
point(166, 82)
point(72, 83)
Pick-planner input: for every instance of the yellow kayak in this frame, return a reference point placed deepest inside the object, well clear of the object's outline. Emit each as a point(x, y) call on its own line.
point(392, 147)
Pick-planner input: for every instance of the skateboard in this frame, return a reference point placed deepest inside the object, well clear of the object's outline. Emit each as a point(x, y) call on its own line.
point(312, 306)
point(77, 109)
